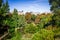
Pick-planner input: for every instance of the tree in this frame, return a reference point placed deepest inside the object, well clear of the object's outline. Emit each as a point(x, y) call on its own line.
point(3, 8)
point(37, 19)
point(33, 17)
point(15, 17)
point(3, 11)
point(6, 7)
point(55, 4)
point(55, 7)
point(28, 17)
point(13, 22)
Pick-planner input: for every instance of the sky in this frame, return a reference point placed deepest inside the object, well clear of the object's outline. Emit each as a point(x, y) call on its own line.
point(30, 5)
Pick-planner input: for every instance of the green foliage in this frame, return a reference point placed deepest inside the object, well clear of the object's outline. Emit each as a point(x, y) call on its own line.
point(57, 31)
point(1, 1)
point(13, 23)
point(55, 7)
point(15, 12)
point(31, 28)
point(21, 21)
point(15, 17)
point(16, 22)
point(40, 25)
point(54, 4)
point(4, 10)
point(43, 35)
point(33, 17)
point(45, 21)
point(17, 36)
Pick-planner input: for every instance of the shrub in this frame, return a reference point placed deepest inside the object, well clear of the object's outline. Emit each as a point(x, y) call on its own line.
point(57, 32)
point(43, 35)
point(17, 36)
point(31, 28)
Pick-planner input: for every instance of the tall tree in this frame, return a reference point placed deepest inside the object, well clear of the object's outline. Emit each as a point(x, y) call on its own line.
point(7, 7)
point(55, 4)
point(55, 7)
point(15, 17)
point(3, 11)
point(4, 8)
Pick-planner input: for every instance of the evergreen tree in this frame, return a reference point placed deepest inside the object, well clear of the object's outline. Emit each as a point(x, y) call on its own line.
point(55, 7)
point(15, 17)
point(3, 11)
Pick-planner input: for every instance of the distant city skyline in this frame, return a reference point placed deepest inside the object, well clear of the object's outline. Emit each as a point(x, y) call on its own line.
point(30, 5)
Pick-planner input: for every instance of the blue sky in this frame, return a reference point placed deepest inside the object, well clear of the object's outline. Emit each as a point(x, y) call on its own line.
point(30, 5)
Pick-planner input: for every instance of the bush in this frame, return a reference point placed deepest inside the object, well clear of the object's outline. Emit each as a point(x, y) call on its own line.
point(40, 25)
point(43, 35)
point(31, 28)
point(57, 32)
point(17, 36)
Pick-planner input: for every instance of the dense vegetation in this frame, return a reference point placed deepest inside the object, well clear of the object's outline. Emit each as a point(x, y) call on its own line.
point(29, 26)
